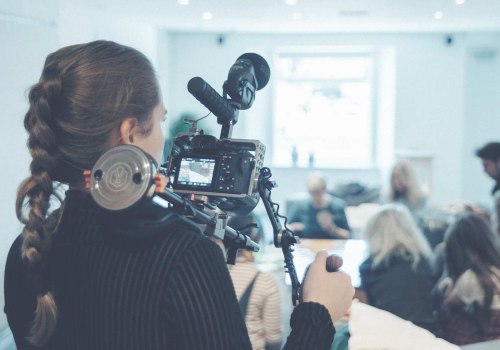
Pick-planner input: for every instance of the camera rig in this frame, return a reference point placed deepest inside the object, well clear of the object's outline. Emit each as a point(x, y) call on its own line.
point(205, 178)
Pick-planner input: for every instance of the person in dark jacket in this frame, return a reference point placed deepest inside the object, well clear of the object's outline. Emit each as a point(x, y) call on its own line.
point(322, 215)
point(490, 159)
point(397, 276)
point(82, 278)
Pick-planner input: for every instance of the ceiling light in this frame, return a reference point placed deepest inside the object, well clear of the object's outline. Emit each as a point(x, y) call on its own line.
point(207, 15)
point(291, 2)
point(183, 2)
point(459, 2)
point(438, 14)
point(297, 15)
point(353, 13)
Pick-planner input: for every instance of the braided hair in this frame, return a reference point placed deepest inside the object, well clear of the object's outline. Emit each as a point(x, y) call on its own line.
point(84, 93)
point(470, 244)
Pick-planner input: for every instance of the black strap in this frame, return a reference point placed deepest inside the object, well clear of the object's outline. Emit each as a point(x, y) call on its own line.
point(246, 296)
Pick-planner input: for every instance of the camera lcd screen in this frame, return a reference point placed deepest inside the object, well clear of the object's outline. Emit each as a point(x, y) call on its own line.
point(196, 172)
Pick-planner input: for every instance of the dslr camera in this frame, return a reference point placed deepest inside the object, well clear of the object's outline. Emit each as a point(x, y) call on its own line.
point(226, 171)
point(222, 172)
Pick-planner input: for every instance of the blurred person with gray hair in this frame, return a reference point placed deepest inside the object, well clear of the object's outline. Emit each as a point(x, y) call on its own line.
point(322, 215)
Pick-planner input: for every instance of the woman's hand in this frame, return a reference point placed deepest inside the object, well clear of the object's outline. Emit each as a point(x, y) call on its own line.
point(326, 221)
point(333, 290)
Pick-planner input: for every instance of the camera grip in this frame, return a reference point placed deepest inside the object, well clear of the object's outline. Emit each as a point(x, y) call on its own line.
point(211, 99)
point(333, 263)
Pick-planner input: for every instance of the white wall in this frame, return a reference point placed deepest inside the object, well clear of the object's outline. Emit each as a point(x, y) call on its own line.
point(27, 35)
point(79, 24)
point(482, 111)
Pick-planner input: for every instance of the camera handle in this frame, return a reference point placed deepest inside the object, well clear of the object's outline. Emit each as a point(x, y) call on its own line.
point(216, 224)
point(283, 237)
point(127, 178)
point(219, 229)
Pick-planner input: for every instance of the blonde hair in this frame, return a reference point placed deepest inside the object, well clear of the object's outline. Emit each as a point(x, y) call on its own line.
point(391, 230)
point(413, 192)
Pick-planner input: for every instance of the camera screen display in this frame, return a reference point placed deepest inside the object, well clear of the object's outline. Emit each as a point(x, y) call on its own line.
point(197, 172)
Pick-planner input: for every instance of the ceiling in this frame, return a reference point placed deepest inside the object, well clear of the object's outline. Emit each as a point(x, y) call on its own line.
point(311, 16)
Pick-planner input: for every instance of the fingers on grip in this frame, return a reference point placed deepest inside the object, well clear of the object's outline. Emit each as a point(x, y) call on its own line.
point(333, 263)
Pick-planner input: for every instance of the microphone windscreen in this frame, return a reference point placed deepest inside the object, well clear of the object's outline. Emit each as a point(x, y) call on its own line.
point(262, 70)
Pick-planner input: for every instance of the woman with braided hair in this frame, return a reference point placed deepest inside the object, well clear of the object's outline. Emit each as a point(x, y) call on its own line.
point(82, 278)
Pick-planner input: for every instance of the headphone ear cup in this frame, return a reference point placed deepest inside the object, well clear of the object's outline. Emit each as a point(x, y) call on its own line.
point(122, 177)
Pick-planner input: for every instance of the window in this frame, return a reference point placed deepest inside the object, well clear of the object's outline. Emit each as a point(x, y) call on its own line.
point(324, 108)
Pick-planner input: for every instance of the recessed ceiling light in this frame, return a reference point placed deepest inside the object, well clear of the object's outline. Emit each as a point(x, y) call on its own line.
point(183, 2)
point(353, 13)
point(297, 15)
point(459, 2)
point(291, 2)
point(438, 15)
point(207, 15)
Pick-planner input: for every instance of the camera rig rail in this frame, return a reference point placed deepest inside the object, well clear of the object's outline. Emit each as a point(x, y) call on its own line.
point(126, 179)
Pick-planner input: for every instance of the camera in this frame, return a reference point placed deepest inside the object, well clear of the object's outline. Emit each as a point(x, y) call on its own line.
point(226, 171)
point(222, 171)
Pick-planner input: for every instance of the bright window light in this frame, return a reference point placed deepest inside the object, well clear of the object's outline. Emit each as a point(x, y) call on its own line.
point(324, 110)
point(207, 16)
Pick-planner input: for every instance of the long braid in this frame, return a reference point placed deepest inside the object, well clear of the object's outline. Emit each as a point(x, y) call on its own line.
point(36, 190)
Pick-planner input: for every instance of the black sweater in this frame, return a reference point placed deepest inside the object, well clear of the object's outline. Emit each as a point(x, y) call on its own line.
point(121, 285)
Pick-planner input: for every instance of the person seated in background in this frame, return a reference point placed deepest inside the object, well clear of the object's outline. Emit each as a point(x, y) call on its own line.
point(470, 293)
point(258, 292)
point(490, 158)
point(322, 216)
point(397, 275)
point(455, 211)
point(404, 189)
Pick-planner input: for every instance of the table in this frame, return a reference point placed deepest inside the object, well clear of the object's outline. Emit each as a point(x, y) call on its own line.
point(352, 251)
